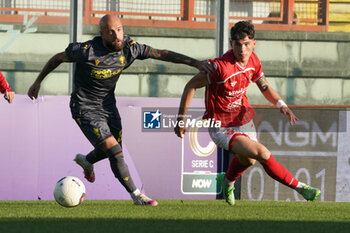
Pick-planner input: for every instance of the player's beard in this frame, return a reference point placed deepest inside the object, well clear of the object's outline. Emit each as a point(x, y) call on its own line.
point(114, 47)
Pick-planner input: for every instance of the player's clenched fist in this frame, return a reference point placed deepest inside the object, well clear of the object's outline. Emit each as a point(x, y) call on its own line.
point(180, 130)
point(34, 90)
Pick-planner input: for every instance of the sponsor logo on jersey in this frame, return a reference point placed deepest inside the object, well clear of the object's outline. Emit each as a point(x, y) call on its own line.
point(238, 92)
point(122, 60)
point(100, 74)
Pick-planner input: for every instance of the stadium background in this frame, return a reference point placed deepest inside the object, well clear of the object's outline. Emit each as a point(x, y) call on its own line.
point(303, 46)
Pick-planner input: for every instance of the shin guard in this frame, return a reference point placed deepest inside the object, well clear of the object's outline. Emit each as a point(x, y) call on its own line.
point(120, 168)
point(278, 172)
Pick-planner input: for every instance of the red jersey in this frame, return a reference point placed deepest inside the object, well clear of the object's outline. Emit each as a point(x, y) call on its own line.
point(225, 95)
point(4, 86)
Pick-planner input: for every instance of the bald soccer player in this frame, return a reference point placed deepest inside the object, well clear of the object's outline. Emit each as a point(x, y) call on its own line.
point(99, 64)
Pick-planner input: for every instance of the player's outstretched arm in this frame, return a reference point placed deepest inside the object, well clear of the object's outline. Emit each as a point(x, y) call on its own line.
point(170, 56)
point(272, 96)
point(198, 81)
point(54, 61)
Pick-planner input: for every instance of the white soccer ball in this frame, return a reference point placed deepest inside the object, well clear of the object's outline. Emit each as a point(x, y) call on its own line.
point(69, 191)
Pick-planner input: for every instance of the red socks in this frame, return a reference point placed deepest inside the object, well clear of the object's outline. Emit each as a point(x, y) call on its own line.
point(279, 173)
point(235, 169)
point(271, 166)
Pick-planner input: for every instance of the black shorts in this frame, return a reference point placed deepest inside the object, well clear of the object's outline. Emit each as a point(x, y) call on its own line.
point(98, 125)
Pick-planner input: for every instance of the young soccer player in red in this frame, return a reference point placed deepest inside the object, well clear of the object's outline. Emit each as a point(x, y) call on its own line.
point(226, 101)
point(6, 89)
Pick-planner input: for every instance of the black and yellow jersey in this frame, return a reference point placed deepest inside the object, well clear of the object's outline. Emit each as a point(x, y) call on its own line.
point(98, 70)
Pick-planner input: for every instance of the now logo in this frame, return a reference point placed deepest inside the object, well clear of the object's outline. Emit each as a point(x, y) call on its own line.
point(201, 183)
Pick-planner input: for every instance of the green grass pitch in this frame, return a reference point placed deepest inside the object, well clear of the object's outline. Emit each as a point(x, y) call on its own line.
point(172, 216)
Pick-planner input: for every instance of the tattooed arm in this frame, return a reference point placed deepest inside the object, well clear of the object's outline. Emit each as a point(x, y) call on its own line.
point(269, 93)
point(272, 96)
point(170, 56)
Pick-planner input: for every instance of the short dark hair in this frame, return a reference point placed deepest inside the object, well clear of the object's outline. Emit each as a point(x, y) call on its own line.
point(242, 29)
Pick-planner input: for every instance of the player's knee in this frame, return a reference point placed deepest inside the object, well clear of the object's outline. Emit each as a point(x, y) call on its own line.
point(108, 144)
point(263, 154)
point(114, 151)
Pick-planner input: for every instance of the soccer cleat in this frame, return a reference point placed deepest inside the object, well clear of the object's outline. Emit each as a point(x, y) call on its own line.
point(88, 167)
point(227, 190)
point(142, 199)
point(310, 193)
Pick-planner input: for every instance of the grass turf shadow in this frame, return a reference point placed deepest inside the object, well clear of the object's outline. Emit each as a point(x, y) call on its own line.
point(103, 225)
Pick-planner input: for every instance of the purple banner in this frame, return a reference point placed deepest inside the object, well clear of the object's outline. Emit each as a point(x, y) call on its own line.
point(39, 140)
